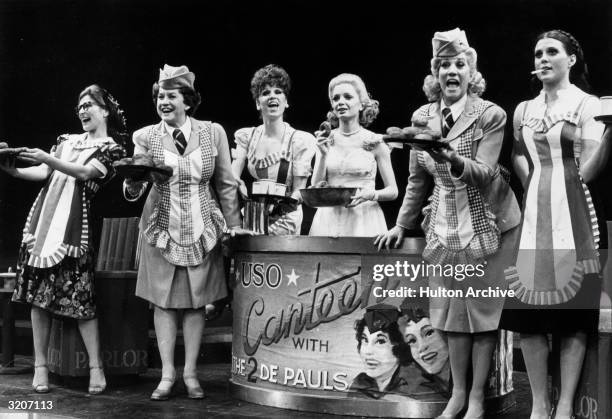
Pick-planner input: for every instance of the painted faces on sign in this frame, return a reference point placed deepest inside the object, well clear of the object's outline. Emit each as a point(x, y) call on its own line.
point(376, 352)
point(427, 346)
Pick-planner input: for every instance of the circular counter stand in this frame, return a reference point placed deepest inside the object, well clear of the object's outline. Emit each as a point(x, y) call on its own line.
point(266, 248)
point(343, 405)
point(320, 244)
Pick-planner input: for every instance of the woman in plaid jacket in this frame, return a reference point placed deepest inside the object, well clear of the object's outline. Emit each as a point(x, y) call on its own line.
point(471, 217)
point(185, 215)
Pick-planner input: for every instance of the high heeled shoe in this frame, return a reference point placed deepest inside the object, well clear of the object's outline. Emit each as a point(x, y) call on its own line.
point(214, 310)
point(480, 415)
point(44, 387)
point(450, 416)
point(161, 394)
point(193, 392)
point(553, 411)
point(95, 389)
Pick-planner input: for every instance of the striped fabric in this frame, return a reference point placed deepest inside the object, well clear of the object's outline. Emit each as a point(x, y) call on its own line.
point(272, 158)
point(267, 168)
point(458, 223)
point(58, 222)
point(447, 121)
point(179, 140)
point(559, 232)
point(187, 223)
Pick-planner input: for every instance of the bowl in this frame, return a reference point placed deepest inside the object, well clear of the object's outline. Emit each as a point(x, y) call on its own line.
point(327, 197)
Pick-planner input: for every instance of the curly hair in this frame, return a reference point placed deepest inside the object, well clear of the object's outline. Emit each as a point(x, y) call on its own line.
point(190, 97)
point(476, 85)
point(116, 123)
point(579, 72)
point(272, 75)
point(399, 348)
point(370, 106)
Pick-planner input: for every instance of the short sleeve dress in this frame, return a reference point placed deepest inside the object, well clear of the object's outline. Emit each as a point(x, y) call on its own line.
point(56, 261)
point(556, 271)
point(351, 166)
point(297, 147)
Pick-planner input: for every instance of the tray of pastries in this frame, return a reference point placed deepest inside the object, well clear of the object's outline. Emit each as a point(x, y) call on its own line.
point(140, 167)
point(324, 195)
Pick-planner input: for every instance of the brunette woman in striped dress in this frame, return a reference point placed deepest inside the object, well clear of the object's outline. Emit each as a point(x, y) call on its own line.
point(55, 273)
point(558, 148)
point(274, 150)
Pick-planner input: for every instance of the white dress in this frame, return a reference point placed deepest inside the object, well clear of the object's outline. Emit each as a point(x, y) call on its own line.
point(351, 163)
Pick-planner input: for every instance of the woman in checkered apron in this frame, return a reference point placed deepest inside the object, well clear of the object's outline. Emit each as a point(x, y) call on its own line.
point(558, 148)
point(471, 217)
point(55, 273)
point(266, 149)
point(184, 217)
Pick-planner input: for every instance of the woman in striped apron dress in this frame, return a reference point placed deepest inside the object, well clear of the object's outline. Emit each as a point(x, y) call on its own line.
point(558, 148)
point(274, 150)
point(55, 273)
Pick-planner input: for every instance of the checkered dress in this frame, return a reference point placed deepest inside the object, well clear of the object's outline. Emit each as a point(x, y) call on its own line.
point(459, 224)
point(186, 223)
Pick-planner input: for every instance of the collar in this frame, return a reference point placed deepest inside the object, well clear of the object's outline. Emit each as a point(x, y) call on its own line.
point(82, 141)
point(185, 128)
point(568, 98)
point(456, 108)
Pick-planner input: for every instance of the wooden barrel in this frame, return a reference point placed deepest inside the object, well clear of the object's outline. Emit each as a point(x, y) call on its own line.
point(122, 317)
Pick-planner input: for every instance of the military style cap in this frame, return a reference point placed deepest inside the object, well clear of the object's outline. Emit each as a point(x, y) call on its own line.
point(175, 77)
point(449, 43)
point(380, 316)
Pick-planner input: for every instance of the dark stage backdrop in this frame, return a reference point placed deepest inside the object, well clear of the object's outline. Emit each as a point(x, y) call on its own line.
point(50, 50)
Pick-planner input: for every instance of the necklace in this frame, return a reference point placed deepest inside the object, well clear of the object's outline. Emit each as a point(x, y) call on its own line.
point(348, 134)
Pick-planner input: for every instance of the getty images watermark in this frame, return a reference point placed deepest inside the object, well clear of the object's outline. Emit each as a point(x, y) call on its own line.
point(412, 272)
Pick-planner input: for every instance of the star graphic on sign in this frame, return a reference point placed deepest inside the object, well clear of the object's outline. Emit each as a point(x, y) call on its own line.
point(292, 278)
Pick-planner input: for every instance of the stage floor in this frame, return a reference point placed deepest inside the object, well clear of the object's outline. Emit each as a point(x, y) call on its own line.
point(130, 399)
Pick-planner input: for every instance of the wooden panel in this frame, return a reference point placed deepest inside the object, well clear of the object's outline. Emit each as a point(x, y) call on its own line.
point(117, 244)
point(104, 242)
point(123, 323)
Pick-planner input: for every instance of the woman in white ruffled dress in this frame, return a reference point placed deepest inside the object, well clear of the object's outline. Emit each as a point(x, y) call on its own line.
point(350, 157)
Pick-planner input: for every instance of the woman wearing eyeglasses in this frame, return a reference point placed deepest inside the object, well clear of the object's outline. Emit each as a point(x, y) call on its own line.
point(55, 273)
